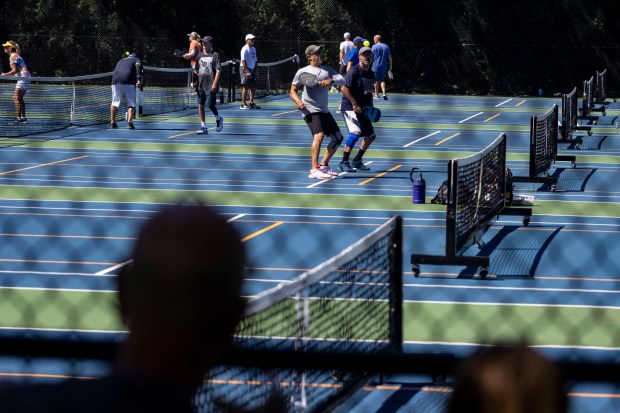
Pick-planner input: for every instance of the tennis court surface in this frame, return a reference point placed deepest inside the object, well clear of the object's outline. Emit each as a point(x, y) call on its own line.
point(73, 199)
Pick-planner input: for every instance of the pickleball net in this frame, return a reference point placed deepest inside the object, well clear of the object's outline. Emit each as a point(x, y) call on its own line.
point(476, 196)
point(54, 103)
point(350, 304)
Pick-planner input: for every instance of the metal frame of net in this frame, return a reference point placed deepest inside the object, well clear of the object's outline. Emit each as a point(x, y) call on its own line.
point(350, 304)
point(476, 195)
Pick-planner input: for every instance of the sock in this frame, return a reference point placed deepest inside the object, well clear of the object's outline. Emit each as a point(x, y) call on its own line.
point(345, 156)
point(204, 125)
point(358, 155)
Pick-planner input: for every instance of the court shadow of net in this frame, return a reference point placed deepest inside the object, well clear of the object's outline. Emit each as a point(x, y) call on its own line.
point(569, 180)
point(515, 252)
point(587, 142)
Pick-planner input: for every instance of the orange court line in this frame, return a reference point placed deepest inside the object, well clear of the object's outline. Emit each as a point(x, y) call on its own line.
point(492, 117)
point(379, 175)
point(520, 103)
point(43, 164)
point(284, 113)
point(257, 233)
point(448, 138)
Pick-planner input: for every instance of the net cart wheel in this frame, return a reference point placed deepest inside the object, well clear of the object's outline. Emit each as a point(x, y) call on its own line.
point(573, 164)
point(589, 133)
point(552, 188)
point(603, 110)
point(526, 220)
point(415, 268)
point(480, 244)
point(439, 379)
point(577, 146)
point(484, 271)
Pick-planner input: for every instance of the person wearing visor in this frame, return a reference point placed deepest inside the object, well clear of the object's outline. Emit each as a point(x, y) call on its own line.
point(18, 68)
point(313, 106)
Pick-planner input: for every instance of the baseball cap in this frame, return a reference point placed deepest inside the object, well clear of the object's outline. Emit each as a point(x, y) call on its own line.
point(358, 40)
point(313, 48)
point(194, 34)
point(347, 34)
point(364, 50)
point(249, 36)
point(207, 39)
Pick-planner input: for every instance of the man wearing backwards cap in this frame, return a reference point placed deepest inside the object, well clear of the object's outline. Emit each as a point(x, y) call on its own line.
point(314, 108)
point(345, 49)
point(358, 43)
point(194, 48)
point(357, 95)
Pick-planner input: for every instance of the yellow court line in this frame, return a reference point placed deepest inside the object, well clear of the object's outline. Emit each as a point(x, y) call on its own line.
point(379, 175)
point(284, 113)
point(492, 117)
point(520, 103)
point(43, 164)
point(447, 139)
point(181, 134)
point(257, 233)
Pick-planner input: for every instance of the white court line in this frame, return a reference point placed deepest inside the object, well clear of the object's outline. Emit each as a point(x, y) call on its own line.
point(472, 116)
point(500, 104)
point(424, 137)
point(572, 290)
point(597, 307)
point(112, 268)
point(236, 217)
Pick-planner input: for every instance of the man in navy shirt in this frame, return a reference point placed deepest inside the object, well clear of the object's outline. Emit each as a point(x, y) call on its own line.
point(357, 95)
point(126, 77)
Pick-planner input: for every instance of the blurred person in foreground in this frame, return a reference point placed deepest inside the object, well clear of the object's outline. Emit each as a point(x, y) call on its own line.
point(180, 298)
point(508, 379)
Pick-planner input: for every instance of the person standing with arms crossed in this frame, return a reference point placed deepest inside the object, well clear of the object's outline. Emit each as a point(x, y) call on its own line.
point(314, 108)
point(208, 70)
point(381, 65)
point(248, 72)
point(126, 77)
point(357, 95)
point(18, 68)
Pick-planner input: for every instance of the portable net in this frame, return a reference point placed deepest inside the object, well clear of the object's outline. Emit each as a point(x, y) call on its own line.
point(54, 103)
point(600, 87)
point(569, 114)
point(588, 97)
point(350, 304)
point(543, 141)
point(476, 194)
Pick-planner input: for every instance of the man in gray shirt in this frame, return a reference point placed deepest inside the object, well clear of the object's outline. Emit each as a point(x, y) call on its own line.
point(314, 108)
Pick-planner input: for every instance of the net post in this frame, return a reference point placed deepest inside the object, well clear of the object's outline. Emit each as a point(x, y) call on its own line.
point(396, 286)
point(533, 121)
point(268, 81)
point(232, 81)
point(72, 113)
point(451, 208)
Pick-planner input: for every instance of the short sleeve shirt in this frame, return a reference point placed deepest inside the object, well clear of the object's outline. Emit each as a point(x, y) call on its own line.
point(194, 45)
point(249, 55)
point(346, 48)
point(126, 71)
point(207, 64)
point(315, 98)
point(360, 83)
point(20, 64)
point(380, 55)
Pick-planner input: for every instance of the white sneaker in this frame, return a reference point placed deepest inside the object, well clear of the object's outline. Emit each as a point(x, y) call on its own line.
point(316, 173)
point(326, 169)
point(203, 131)
point(219, 122)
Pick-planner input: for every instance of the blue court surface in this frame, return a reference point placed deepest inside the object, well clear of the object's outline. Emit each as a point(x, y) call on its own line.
point(72, 201)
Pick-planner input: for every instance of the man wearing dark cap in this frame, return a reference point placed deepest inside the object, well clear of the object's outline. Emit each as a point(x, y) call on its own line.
point(314, 108)
point(358, 43)
point(207, 71)
point(357, 95)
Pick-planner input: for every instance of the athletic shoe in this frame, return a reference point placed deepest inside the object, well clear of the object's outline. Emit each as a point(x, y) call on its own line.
point(203, 131)
point(113, 125)
point(23, 120)
point(253, 106)
point(328, 170)
point(384, 97)
point(359, 165)
point(17, 121)
point(130, 125)
point(345, 166)
point(376, 96)
point(244, 106)
point(219, 122)
point(317, 173)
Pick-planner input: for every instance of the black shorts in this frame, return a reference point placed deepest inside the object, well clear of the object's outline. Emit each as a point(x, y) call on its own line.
point(321, 122)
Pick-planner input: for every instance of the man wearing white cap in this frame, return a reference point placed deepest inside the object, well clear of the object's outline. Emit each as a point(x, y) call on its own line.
point(345, 49)
point(248, 71)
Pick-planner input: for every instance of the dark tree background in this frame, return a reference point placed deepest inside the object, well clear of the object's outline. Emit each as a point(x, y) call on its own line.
point(439, 46)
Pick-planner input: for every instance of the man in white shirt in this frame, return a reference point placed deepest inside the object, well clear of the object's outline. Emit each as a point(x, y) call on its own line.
point(345, 49)
point(248, 71)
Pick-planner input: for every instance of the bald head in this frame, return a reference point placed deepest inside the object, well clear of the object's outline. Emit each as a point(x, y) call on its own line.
point(377, 38)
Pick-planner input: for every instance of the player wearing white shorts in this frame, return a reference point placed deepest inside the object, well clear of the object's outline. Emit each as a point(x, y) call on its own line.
point(126, 77)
